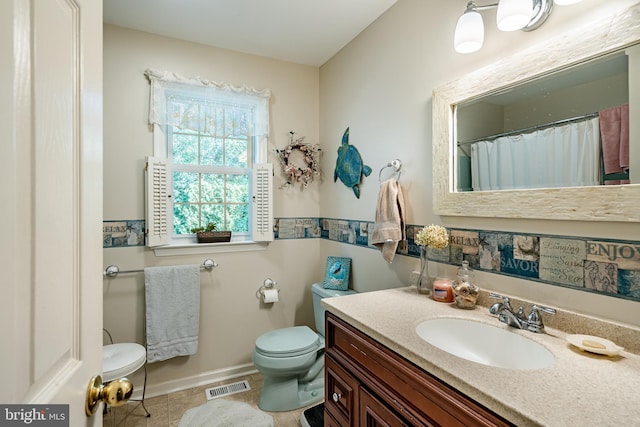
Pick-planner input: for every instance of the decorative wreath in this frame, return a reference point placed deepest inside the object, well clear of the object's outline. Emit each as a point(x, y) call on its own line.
point(295, 173)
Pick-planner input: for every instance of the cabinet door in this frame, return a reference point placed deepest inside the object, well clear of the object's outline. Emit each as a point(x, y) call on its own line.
point(374, 413)
point(341, 393)
point(329, 421)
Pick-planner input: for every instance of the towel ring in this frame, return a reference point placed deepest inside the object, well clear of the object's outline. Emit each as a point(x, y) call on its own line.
point(396, 165)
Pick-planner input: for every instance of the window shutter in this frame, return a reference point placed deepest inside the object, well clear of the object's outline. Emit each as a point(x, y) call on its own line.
point(158, 196)
point(263, 202)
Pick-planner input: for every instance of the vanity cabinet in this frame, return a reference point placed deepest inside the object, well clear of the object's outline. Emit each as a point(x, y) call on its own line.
point(367, 384)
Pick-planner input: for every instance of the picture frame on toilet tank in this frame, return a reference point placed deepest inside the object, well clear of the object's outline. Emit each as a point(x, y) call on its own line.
point(336, 274)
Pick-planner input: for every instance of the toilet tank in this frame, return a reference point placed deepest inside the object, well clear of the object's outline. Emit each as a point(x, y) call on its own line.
point(318, 293)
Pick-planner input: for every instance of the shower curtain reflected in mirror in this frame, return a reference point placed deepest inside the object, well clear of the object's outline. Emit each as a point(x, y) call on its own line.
point(561, 156)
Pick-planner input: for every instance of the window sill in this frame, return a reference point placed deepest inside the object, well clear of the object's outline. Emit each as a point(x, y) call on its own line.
point(209, 248)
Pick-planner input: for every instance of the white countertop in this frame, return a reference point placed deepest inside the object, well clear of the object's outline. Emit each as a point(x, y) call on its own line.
point(579, 389)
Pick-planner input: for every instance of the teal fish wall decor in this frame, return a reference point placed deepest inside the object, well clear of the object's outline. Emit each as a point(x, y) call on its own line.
point(349, 166)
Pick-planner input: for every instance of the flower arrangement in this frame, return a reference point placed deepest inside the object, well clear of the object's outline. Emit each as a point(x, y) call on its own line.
point(305, 173)
point(435, 236)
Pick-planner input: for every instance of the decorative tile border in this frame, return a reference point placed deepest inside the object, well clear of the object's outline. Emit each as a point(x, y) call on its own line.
point(119, 234)
point(610, 267)
point(346, 231)
point(603, 266)
point(296, 228)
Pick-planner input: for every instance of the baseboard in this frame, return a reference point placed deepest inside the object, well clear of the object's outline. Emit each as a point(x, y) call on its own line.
point(205, 378)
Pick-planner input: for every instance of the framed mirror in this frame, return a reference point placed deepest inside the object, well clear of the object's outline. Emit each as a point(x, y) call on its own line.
point(612, 40)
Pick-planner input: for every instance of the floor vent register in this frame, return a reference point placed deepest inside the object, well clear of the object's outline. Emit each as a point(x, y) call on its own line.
point(227, 389)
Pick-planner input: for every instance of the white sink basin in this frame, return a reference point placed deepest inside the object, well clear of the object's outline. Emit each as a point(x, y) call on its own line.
point(485, 344)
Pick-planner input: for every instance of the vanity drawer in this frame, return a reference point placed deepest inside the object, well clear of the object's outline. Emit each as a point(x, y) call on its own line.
point(409, 390)
point(341, 393)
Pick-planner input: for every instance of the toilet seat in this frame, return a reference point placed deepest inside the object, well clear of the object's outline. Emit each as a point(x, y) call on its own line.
point(119, 360)
point(288, 342)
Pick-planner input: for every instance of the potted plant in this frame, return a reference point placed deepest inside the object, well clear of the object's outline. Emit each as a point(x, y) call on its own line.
point(209, 234)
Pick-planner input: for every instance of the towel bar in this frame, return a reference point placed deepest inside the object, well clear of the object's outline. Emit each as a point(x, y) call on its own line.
point(114, 270)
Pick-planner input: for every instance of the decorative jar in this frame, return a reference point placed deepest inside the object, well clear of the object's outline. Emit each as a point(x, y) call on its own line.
point(465, 293)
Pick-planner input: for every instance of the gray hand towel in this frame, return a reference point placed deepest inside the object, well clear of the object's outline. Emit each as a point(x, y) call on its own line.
point(172, 299)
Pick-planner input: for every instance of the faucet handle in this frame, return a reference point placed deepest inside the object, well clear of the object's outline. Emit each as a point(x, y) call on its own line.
point(506, 301)
point(543, 308)
point(534, 321)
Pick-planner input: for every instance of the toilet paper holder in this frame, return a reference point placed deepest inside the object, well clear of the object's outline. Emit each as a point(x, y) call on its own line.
point(267, 284)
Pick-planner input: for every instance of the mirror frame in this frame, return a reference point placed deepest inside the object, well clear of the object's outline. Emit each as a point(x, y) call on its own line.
point(603, 203)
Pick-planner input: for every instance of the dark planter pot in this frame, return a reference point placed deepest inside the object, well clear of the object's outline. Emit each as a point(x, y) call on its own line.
point(213, 236)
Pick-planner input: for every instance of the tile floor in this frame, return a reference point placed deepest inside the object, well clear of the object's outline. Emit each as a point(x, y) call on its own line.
point(166, 410)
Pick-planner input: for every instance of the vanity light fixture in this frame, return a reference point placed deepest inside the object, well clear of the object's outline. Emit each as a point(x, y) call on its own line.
point(512, 15)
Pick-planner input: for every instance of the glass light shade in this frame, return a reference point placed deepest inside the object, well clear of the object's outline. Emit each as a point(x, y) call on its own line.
point(514, 14)
point(566, 2)
point(469, 34)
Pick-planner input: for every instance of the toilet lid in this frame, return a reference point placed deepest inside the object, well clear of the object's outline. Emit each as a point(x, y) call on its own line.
point(119, 360)
point(288, 342)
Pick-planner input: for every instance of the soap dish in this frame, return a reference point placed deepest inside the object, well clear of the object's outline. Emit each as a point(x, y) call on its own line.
point(594, 344)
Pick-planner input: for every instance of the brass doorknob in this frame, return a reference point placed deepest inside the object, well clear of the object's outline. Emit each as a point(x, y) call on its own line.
point(114, 393)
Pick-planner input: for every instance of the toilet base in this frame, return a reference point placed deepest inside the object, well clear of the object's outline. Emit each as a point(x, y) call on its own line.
point(286, 394)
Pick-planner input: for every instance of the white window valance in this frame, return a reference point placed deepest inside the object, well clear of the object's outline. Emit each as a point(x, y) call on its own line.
point(184, 114)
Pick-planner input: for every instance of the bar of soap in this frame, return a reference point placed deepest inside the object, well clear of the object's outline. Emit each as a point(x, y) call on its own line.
point(593, 344)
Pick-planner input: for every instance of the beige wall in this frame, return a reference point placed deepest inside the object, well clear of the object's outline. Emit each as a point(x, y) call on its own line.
point(231, 317)
point(380, 85)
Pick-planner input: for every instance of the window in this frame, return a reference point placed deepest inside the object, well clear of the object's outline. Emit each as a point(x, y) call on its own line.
point(209, 141)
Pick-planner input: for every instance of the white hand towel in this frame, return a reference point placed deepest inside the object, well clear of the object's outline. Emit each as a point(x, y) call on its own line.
point(389, 226)
point(172, 299)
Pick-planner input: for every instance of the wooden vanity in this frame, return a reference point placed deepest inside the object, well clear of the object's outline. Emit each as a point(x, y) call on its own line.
point(379, 372)
point(366, 384)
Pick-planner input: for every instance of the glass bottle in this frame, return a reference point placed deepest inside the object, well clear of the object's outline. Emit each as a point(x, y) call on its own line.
point(424, 281)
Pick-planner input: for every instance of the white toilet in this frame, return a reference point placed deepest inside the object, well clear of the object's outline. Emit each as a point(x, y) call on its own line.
point(120, 360)
point(292, 361)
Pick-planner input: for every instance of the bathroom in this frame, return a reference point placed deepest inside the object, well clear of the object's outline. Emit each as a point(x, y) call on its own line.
point(379, 86)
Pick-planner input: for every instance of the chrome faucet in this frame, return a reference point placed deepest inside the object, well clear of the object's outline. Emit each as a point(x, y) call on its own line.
point(517, 319)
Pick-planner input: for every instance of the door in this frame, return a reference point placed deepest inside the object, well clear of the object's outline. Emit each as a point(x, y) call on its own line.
point(51, 186)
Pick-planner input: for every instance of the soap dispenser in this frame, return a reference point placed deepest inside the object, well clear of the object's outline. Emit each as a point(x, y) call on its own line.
point(465, 293)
